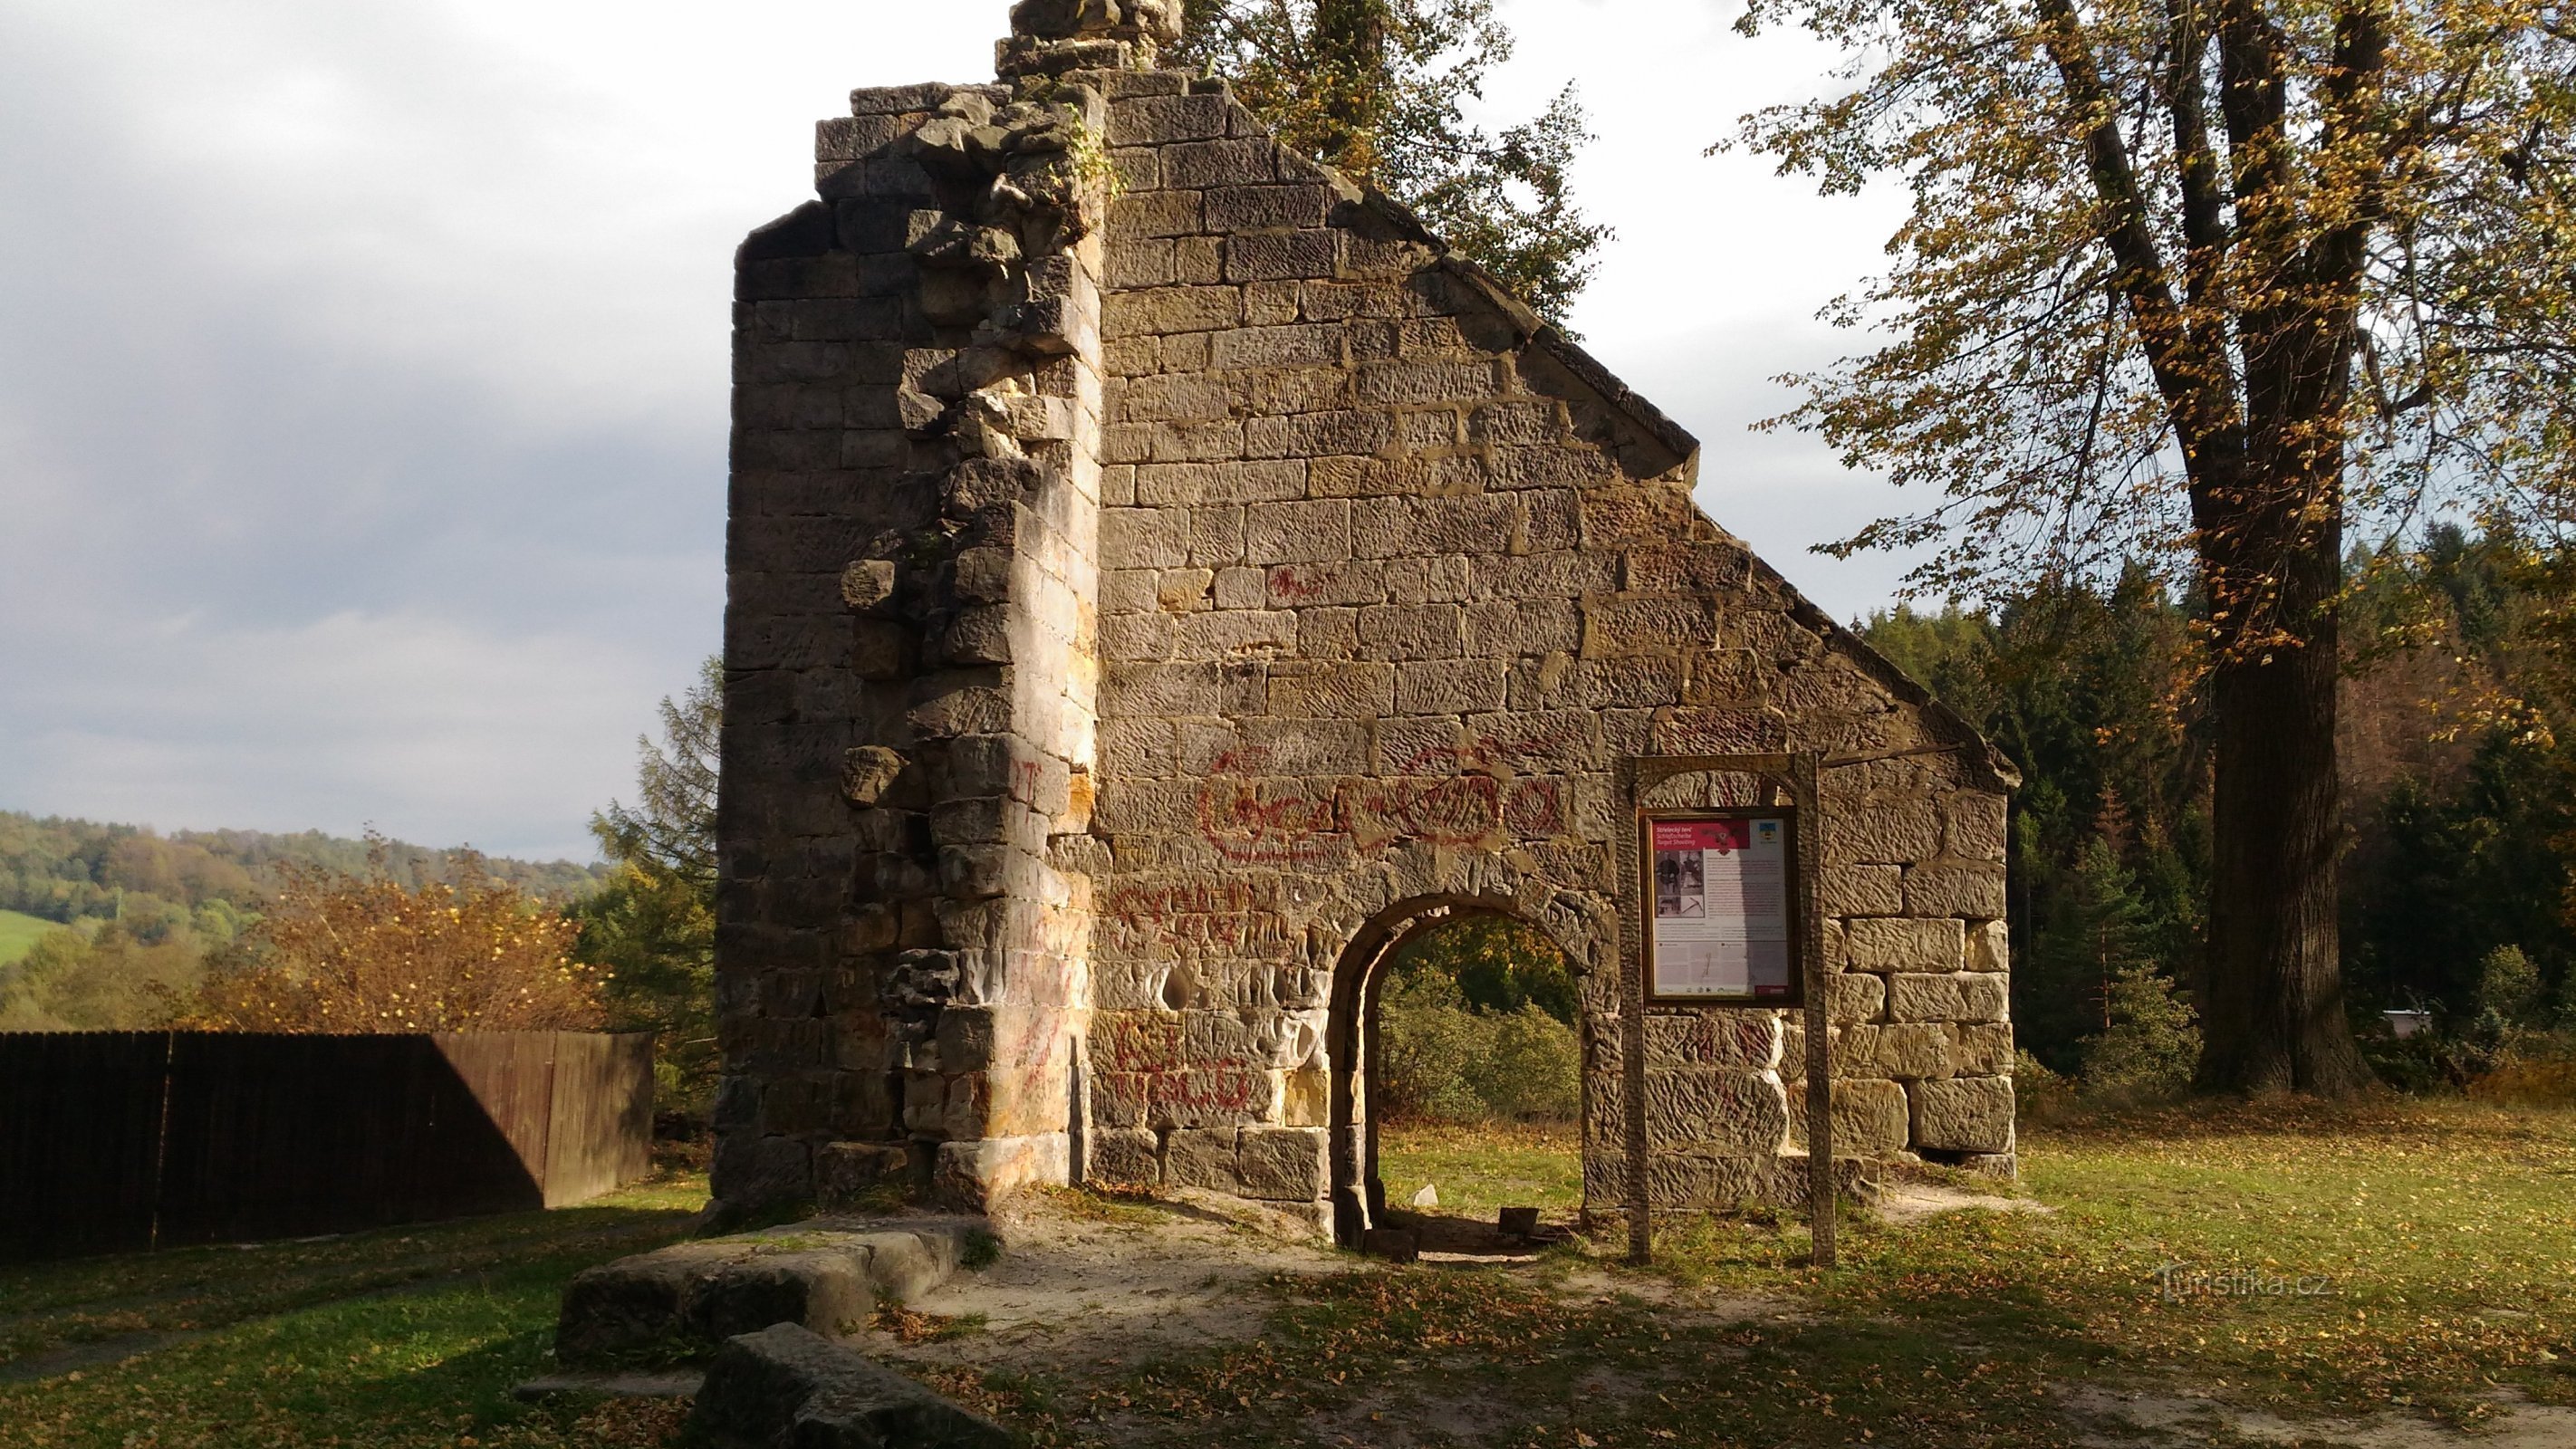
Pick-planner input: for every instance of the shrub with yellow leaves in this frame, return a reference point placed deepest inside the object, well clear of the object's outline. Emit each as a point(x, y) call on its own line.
point(339, 954)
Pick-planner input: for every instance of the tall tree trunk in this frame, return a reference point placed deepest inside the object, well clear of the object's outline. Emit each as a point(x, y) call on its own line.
point(1350, 41)
point(2273, 1010)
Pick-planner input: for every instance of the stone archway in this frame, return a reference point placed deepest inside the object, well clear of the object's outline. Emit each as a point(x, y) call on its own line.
point(1351, 1042)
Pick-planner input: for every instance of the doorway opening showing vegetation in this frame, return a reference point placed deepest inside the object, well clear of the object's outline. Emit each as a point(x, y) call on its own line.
point(1466, 1090)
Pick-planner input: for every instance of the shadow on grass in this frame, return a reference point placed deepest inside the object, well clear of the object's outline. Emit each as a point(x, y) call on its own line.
point(46, 1306)
point(343, 1357)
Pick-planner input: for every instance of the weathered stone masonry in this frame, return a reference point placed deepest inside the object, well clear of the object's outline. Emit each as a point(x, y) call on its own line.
point(1161, 576)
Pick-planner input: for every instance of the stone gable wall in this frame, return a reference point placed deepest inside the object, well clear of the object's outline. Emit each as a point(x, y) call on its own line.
point(1132, 612)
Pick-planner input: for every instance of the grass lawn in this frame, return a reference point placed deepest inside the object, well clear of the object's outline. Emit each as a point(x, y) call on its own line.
point(1481, 1169)
point(2437, 1242)
point(18, 933)
point(403, 1337)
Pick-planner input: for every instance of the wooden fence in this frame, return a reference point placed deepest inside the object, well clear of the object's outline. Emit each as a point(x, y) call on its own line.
point(122, 1141)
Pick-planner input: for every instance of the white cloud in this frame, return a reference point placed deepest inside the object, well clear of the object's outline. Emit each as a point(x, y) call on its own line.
point(430, 731)
point(363, 367)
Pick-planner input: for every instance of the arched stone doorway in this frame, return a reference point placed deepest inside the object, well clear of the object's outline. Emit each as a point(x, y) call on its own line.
point(1352, 1040)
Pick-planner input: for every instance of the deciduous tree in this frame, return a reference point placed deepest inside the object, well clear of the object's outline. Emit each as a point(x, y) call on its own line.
point(2211, 281)
point(1378, 88)
point(341, 954)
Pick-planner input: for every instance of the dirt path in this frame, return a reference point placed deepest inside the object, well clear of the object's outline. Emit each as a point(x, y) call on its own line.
point(1076, 1292)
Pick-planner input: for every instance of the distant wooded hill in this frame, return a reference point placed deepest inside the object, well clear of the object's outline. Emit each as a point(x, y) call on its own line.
point(69, 871)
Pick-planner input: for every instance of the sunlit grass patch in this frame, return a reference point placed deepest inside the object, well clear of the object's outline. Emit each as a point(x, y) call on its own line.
point(1482, 1168)
point(20, 932)
point(403, 1337)
point(2301, 1257)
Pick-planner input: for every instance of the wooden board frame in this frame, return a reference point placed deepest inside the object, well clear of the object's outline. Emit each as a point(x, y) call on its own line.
point(1795, 998)
point(1800, 773)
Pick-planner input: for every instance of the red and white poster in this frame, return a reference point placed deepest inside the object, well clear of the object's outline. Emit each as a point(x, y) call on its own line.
point(1721, 910)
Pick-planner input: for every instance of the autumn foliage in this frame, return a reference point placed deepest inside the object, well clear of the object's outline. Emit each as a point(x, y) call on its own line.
point(342, 954)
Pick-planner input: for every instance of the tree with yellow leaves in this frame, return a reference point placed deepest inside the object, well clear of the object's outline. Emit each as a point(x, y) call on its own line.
point(339, 954)
point(2205, 283)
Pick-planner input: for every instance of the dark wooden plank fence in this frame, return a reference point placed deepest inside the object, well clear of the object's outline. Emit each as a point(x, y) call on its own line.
point(118, 1142)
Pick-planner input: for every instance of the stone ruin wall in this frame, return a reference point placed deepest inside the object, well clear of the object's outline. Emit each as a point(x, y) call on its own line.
point(1154, 563)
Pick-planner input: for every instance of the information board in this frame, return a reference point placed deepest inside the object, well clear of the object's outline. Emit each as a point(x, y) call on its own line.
point(1720, 897)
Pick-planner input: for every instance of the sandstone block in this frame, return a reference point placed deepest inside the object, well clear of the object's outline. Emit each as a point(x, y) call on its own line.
point(1984, 997)
point(1412, 631)
point(1955, 889)
point(1863, 890)
point(1139, 637)
point(1975, 826)
point(1718, 1180)
point(1738, 1109)
point(1856, 996)
point(1886, 945)
point(1202, 1159)
point(1450, 686)
point(1898, 831)
point(1124, 1157)
point(1234, 209)
point(1296, 346)
point(1922, 998)
point(1181, 397)
point(1870, 1118)
point(1184, 591)
point(1121, 1100)
point(1217, 1098)
point(1160, 120)
point(1355, 433)
point(1153, 214)
point(1284, 1164)
point(1915, 1051)
point(1989, 946)
point(1144, 538)
point(1283, 256)
point(1287, 533)
point(1200, 165)
point(869, 772)
point(1328, 583)
point(1964, 1114)
point(1983, 1049)
point(789, 1386)
point(1737, 1039)
point(1233, 633)
point(1418, 383)
point(1314, 689)
point(1854, 1049)
point(1166, 310)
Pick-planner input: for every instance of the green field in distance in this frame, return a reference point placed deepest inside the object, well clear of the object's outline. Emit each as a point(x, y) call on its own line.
point(18, 932)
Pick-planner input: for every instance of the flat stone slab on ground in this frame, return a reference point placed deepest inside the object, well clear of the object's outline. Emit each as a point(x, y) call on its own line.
point(825, 1274)
point(788, 1388)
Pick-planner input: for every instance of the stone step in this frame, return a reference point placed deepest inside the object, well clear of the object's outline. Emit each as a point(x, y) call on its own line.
point(787, 1388)
point(825, 1274)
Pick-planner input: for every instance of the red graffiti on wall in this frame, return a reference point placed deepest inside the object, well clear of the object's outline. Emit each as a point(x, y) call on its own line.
point(1160, 905)
point(1445, 795)
point(1207, 1092)
point(1255, 821)
point(1136, 1041)
point(1466, 795)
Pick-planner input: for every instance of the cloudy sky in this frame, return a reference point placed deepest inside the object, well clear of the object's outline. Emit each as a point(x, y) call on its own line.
point(363, 368)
